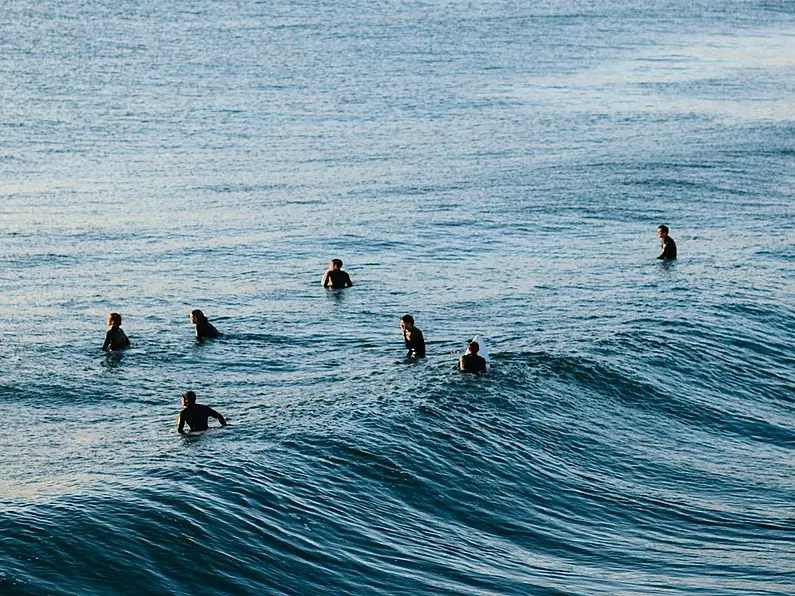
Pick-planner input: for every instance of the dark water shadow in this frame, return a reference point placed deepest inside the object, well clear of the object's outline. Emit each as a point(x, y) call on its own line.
point(337, 295)
point(112, 359)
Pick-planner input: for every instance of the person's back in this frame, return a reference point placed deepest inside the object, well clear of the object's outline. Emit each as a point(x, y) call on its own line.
point(206, 329)
point(115, 338)
point(195, 415)
point(472, 363)
point(335, 277)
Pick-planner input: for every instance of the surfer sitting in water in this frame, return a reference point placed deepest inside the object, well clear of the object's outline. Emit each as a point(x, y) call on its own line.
point(195, 415)
point(667, 244)
point(202, 326)
point(115, 338)
point(415, 342)
point(335, 277)
point(471, 362)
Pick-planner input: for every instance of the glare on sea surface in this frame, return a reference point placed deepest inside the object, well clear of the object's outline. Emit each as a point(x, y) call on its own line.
point(665, 78)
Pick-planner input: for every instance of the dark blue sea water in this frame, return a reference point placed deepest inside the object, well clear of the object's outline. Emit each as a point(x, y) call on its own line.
point(490, 167)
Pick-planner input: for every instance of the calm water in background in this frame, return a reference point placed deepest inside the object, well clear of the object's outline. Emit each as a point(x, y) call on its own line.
point(490, 167)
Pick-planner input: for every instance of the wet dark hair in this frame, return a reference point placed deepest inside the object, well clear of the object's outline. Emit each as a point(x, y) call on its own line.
point(663, 229)
point(337, 262)
point(407, 319)
point(190, 396)
point(115, 318)
point(198, 315)
point(473, 346)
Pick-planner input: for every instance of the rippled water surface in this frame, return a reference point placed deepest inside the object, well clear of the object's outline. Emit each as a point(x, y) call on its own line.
point(490, 167)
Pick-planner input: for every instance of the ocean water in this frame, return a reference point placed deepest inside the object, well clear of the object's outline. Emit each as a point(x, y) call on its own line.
point(489, 167)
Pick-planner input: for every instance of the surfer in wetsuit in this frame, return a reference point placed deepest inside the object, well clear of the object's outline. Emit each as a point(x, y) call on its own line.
point(667, 244)
point(415, 342)
point(335, 277)
point(202, 326)
point(195, 415)
point(115, 338)
point(471, 362)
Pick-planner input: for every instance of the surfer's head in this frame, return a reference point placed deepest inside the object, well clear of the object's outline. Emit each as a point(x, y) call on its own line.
point(114, 319)
point(335, 264)
point(407, 322)
point(188, 398)
point(662, 231)
point(197, 316)
point(473, 346)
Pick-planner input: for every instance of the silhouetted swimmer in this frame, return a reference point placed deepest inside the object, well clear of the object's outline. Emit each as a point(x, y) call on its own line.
point(202, 326)
point(335, 277)
point(667, 244)
point(471, 362)
point(195, 415)
point(415, 342)
point(115, 338)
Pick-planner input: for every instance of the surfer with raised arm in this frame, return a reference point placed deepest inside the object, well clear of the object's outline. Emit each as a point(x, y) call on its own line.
point(471, 362)
point(115, 338)
point(335, 277)
point(667, 244)
point(195, 415)
point(415, 342)
point(202, 326)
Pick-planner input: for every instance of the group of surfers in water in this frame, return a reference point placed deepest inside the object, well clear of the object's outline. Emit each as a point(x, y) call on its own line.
point(196, 416)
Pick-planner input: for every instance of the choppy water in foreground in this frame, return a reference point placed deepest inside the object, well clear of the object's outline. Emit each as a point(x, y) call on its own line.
point(490, 167)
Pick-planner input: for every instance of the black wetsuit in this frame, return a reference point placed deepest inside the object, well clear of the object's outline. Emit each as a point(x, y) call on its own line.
point(415, 343)
point(337, 278)
point(206, 329)
point(115, 339)
point(472, 363)
point(668, 249)
point(196, 417)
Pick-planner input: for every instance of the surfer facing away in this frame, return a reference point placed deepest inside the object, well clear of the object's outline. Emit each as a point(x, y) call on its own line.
point(335, 277)
point(195, 415)
point(471, 362)
point(415, 342)
point(202, 326)
point(115, 338)
point(667, 244)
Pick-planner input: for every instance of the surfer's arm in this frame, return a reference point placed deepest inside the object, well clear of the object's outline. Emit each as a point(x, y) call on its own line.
point(181, 424)
point(348, 282)
point(217, 416)
point(461, 363)
point(107, 342)
point(325, 279)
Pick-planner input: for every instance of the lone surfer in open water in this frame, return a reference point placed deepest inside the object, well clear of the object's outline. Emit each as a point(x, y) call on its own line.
point(415, 342)
point(195, 415)
point(202, 326)
point(667, 244)
point(115, 338)
point(335, 277)
point(471, 362)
